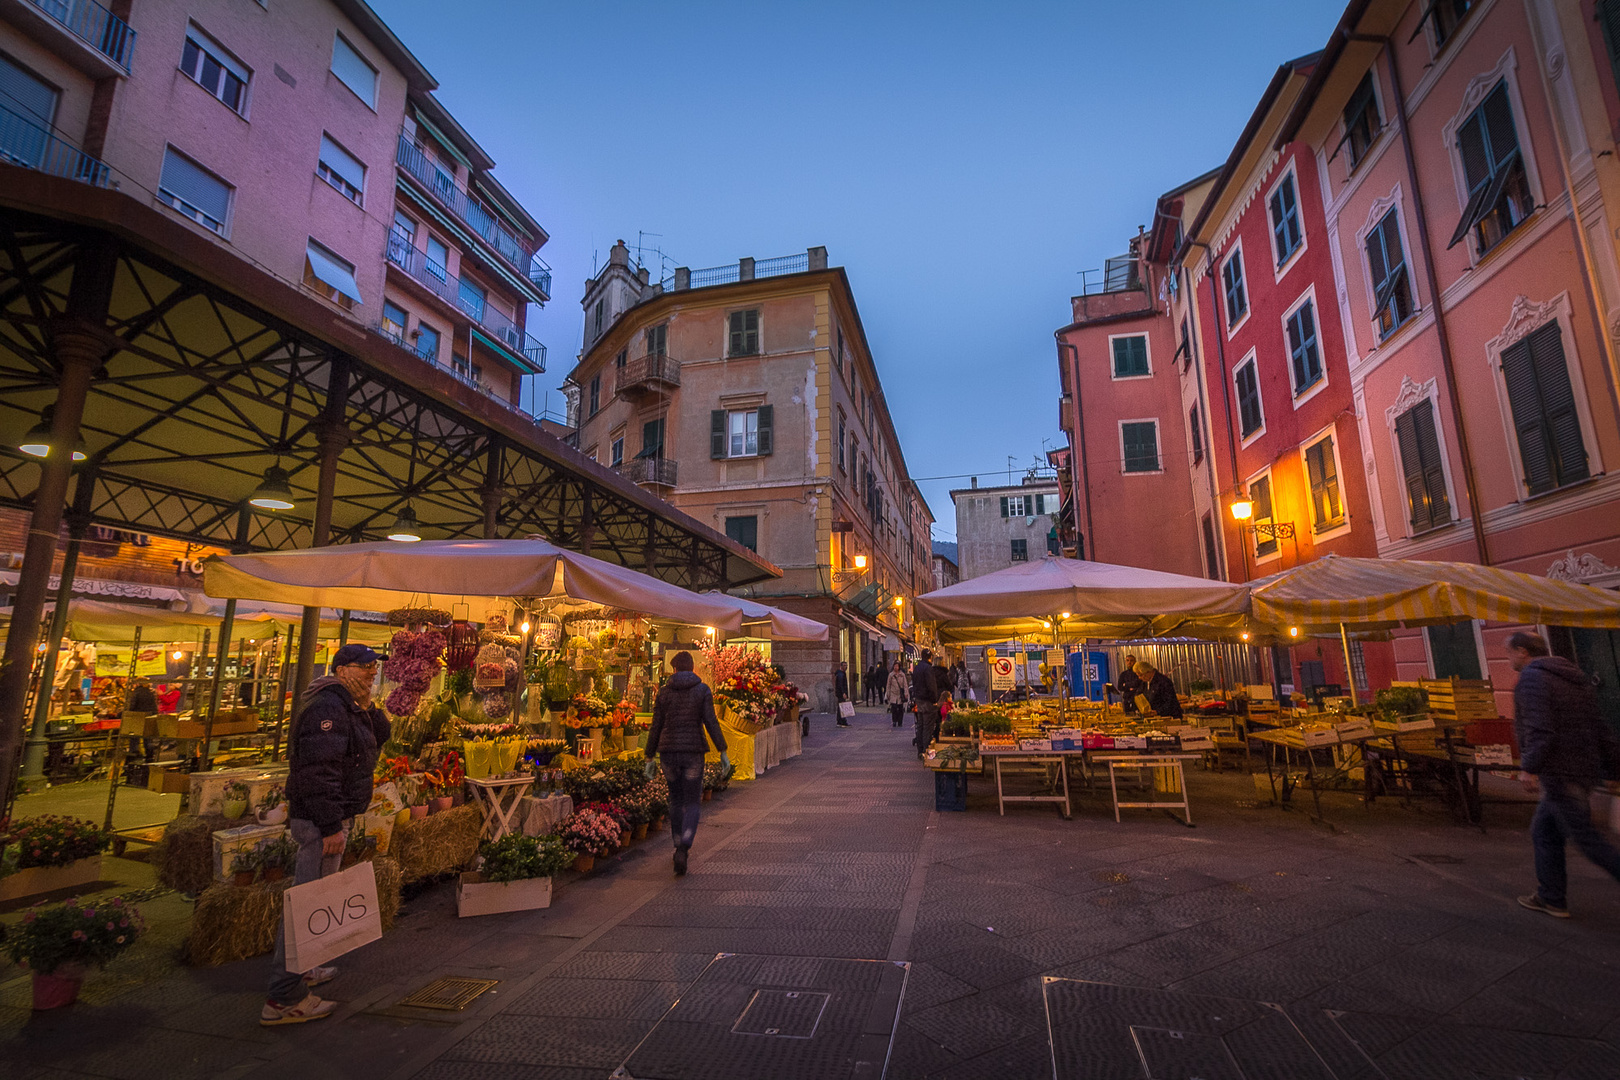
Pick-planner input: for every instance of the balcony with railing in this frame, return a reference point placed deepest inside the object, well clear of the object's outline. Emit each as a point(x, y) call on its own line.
point(466, 298)
point(649, 471)
point(1120, 273)
point(424, 352)
point(25, 143)
point(652, 373)
point(472, 211)
point(109, 39)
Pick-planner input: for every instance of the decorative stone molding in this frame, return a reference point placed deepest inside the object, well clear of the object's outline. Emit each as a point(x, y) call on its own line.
point(1411, 393)
point(1555, 63)
point(1474, 93)
point(1380, 207)
point(1524, 318)
point(1580, 568)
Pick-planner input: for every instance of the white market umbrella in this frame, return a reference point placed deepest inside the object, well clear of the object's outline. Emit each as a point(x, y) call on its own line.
point(441, 573)
point(762, 620)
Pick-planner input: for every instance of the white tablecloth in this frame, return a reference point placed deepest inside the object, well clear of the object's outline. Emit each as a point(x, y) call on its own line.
point(542, 814)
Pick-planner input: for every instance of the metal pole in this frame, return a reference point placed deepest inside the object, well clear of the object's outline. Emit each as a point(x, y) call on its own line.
point(343, 629)
point(1349, 669)
point(34, 750)
point(226, 632)
point(281, 695)
point(120, 743)
point(334, 436)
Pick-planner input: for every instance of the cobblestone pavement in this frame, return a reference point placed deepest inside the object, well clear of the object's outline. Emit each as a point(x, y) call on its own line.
point(1256, 944)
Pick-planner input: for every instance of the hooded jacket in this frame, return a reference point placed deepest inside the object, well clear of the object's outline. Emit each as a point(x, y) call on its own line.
point(332, 754)
point(1555, 716)
point(682, 712)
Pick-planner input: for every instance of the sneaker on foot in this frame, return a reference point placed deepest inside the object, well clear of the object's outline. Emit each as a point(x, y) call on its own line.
point(680, 862)
point(1535, 903)
point(311, 1008)
point(315, 976)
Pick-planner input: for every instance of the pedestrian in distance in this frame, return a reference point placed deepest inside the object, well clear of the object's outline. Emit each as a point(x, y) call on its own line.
point(1565, 750)
point(332, 753)
point(880, 682)
point(895, 693)
point(841, 691)
point(925, 695)
point(871, 684)
point(1129, 684)
point(683, 712)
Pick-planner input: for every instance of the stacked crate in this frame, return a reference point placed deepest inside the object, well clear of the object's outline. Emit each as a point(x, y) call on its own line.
point(1470, 701)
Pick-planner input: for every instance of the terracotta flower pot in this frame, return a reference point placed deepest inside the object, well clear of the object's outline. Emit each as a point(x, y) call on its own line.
point(640, 831)
point(274, 873)
point(59, 988)
point(624, 839)
point(242, 878)
point(419, 812)
point(584, 864)
point(707, 795)
point(439, 805)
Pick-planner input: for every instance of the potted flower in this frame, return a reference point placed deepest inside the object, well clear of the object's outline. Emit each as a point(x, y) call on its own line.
point(272, 808)
point(48, 853)
point(234, 800)
point(280, 856)
point(60, 942)
point(590, 835)
point(359, 847)
point(419, 803)
point(246, 865)
point(637, 807)
point(514, 874)
point(617, 813)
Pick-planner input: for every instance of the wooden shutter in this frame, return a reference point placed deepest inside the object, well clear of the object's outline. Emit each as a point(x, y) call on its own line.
point(1562, 422)
point(1529, 418)
point(1497, 113)
point(1249, 409)
point(763, 424)
point(1377, 260)
point(717, 433)
point(736, 321)
point(1421, 467)
point(1608, 17)
point(1004, 506)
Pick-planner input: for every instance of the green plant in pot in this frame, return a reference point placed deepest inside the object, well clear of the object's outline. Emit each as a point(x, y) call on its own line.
point(1402, 701)
point(60, 942)
point(272, 808)
point(234, 800)
point(245, 866)
point(516, 857)
point(280, 858)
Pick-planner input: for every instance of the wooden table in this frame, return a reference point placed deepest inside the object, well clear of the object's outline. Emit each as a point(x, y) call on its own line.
point(499, 799)
point(1145, 759)
point(1034, 757)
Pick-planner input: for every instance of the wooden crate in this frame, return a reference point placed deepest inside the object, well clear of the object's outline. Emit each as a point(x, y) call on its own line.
point(1461, 699)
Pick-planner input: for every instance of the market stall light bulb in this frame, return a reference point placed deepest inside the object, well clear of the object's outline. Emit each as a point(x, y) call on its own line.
point(1065, 615)
point(1245, 635)
point(274, 491)
point(43, 646)
point(178, 654)
point(405, 529)
point(1046, 624)
point(1293, 631)
point(525, 627)
point(709, 630)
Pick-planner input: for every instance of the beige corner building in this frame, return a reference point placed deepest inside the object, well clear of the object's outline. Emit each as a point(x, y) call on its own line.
point(747, 396)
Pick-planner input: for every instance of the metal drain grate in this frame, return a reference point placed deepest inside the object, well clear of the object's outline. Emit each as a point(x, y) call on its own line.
point(785, 1014)
point(449, 993)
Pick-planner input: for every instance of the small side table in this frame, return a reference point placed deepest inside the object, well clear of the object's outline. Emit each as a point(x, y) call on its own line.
point(499, 800)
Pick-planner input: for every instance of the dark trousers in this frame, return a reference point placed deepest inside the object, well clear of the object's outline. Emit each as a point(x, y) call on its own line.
point(927, 726)
point(897, 712)
point(683, 773)
point(1564, 815)
point(287, 987)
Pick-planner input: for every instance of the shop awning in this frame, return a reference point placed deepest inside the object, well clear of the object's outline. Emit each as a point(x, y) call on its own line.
point(762, 620)
point(862, 624)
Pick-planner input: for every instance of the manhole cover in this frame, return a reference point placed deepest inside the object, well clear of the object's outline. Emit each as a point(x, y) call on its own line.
point(786, 1014)
point(449, 993)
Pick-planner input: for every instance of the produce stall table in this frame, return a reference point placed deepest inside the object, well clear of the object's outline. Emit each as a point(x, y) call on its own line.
point(1149, 760)
point(499, 799)
point(1034, 757)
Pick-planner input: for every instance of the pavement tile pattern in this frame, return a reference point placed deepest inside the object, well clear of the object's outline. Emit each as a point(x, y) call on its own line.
point(1034, 947)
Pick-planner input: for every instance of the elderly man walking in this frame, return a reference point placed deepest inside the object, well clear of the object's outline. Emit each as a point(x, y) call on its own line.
point(1565, 750)
point(925, 695)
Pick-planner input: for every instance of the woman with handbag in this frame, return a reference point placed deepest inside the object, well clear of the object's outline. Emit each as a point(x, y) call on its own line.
point(898, 684)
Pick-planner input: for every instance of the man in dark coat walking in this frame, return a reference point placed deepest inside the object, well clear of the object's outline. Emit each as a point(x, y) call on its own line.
point(841, 691)
point(682, 713)
point(925, 693)
point(1565, 750)
point(332, 753)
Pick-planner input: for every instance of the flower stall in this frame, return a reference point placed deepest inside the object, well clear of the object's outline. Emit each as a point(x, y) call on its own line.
point(755, 704)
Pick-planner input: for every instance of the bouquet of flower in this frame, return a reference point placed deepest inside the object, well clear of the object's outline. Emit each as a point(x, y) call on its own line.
point(84, 932)
point(413, 660)
point(622, 715)
point(54, 840)
point(541, 751)
point(390, 770)
point(586, 710)
point(590, 832)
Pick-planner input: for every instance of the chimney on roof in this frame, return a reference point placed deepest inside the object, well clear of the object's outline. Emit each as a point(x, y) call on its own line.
point(818, 258)
point(644, 274)
point(973, 482)
point(619, 255)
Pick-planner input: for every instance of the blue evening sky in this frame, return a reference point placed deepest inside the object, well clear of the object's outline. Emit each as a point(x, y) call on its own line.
point(963, 162)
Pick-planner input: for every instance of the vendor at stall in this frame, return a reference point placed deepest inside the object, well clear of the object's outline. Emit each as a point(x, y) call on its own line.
point(1159, 690)
point(1129, 683)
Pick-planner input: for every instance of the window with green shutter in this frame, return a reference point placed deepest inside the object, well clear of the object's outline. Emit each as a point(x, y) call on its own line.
point(1361, 121)
point(717, 434)
point(1548, 426)
point(1327, 508)
point(1608, 18)
point(1130, 356)
point(652, 439)
point(1305, 356)
point(1386, 266)
point(744, 530)
point(1285, 229)
point(1250, 415)
point(1498, 186)
point(1426, 501)
point(1237, 296)
point(744, 333)
point(1260, 492)
point(1140, 441)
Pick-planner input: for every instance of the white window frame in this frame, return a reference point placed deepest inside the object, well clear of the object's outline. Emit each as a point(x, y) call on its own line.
point(226, 59)
point(1343, 529)
point(1525, 318)
point(1376, 213)
point(1300, 398)
point(1147, 348)
point(1158, 446)
point(376, 72)
point(1250, 357)
point(732, 415)
point(1253, 539)
point(1248, 298)
point(336, 181)
point(173, 202)
point(1506, 69)
point(1412, 394)
point(1291, 171)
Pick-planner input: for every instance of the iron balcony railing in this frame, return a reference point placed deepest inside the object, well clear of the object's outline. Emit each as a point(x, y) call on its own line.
point(414, 160)
point(650, 470)
point(25, 143)
point(95, 26)
point(470, 301)
point(644, 371)
point(487, 389)
point(540, 276)
point(731, 272)
point(1119, 274)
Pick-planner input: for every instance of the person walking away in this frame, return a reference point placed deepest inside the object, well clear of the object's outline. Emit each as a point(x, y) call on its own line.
point(925, 696)
point(682, 713)
point(1129, 683)
point(894, 692)
point(1565, 750)
point(841, 691)
point(142, 699)
point(1159, 690)
point(871, 684)
point(882, 682)
point(332, 753)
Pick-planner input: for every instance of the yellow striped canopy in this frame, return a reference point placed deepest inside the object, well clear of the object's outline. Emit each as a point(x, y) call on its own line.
point(1381, 594)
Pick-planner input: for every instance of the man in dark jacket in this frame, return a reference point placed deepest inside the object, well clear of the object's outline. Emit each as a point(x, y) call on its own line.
point(841, 691)
point(142, 699)
point(1159, 690)
point(1565, 750)
point(1129, 683)
point(682, 712)
point(332, 753)
point(925, 693)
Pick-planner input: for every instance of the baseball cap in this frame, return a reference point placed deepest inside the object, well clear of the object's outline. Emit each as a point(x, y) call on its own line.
point(354, 653)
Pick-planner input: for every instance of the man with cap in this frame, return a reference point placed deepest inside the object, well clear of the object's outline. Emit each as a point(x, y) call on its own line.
point(332, 752)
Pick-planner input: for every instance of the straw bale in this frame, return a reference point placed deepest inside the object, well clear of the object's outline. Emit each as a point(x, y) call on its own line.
point(438, 843)
point(185, 856)
point(235, 923)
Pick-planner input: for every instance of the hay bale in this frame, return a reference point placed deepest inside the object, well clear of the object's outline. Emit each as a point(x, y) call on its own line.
point(185, 856)
point(438, 843)
point(236, 923)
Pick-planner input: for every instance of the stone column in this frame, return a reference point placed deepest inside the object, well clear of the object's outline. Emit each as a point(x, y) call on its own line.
point(78, 522)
